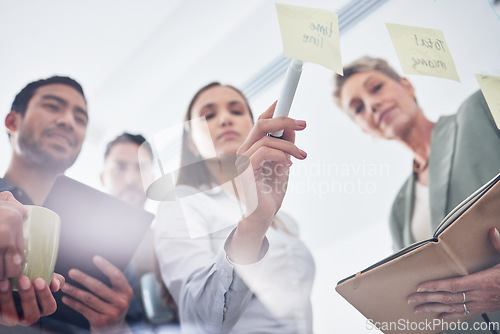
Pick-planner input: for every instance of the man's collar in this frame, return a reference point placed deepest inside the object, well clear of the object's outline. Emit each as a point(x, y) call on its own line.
point(18, 193)
point(6, 185)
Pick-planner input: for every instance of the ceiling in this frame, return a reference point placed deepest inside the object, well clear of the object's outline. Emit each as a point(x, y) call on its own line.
point(139, 61)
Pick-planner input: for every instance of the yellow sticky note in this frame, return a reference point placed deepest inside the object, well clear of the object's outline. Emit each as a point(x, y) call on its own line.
point(310, 35)
point(490, 86)
point(422, 51)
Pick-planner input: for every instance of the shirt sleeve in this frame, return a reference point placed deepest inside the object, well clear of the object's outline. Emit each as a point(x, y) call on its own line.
point(210, 295)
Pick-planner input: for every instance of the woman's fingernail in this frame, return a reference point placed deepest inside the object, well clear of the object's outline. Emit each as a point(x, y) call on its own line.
point(421, 290)
point(497, 233)
point(302, 153)
point(4, 285)
point(300, 123)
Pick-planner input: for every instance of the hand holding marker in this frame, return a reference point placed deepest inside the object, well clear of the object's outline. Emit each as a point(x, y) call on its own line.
point(287, 93)
point(308, 34)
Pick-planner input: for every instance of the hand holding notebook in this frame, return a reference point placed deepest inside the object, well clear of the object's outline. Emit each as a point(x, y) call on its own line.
point(478, 292)
point(461, 262)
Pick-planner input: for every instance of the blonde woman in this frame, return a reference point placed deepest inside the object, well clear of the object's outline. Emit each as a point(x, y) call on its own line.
point(452, 158)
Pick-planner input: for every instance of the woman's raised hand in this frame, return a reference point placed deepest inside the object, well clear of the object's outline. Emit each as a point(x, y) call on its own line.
point(263, 164)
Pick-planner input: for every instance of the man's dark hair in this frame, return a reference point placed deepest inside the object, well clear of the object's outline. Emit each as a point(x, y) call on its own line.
point(24, 96)
point(129, 138)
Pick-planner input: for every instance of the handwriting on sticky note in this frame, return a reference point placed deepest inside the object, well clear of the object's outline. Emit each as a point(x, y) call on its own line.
point(317, 34)
point(310, 35)
point(422, 51)
point(490, 86)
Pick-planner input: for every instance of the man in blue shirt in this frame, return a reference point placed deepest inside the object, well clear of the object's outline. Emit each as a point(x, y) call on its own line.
point(46, 127)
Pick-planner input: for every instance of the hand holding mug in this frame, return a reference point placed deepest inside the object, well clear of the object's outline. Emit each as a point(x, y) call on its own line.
point(35, 294)
point(12, 214)
point(41, 231)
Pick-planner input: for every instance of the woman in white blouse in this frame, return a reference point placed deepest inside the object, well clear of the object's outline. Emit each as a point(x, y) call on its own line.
point(233, 263)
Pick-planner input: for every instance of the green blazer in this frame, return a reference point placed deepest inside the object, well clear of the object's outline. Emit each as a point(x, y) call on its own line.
point(465, 154)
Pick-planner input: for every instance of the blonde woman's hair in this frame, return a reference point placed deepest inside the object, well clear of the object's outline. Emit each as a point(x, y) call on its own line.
point(362, 64)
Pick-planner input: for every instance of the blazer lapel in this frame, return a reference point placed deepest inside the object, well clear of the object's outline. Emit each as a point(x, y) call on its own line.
point(409, 200)
point(440, 161)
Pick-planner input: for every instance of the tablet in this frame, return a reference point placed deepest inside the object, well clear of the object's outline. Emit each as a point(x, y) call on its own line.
point(92, 223)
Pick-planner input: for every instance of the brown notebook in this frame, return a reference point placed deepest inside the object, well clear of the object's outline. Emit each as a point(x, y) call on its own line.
point(460, 246)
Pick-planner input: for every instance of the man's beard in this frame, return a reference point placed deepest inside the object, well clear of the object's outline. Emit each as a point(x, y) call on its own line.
point(32, 152)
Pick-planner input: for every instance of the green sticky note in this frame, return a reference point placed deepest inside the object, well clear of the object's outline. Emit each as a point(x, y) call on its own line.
point(490, 86)
point(310, 35)
point(422, 51)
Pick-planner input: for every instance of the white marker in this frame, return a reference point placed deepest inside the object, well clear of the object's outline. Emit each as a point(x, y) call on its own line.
point(287, 92)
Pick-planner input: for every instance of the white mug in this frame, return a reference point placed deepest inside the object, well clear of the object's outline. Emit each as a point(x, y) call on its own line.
point(41, 231)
